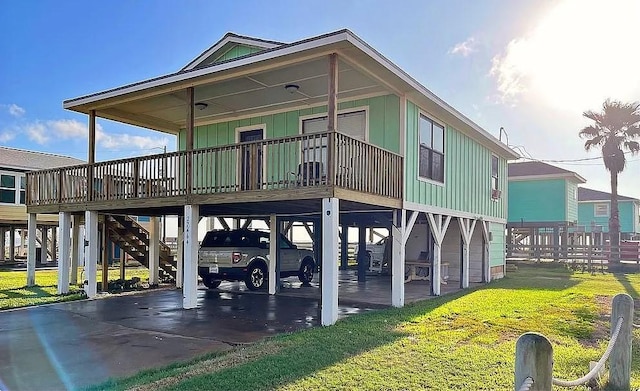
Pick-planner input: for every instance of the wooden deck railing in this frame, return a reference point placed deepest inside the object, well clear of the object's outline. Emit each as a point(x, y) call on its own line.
point(275, 164)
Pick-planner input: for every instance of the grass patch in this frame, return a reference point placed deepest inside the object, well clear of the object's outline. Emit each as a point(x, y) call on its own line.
point(460, 341)
point(14, 293)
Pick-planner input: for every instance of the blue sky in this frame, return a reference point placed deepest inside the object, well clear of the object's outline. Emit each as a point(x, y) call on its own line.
point(528, 66)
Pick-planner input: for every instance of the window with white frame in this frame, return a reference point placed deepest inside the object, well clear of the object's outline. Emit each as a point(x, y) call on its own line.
point(431, 149)
point(601, 209)
point(23, 190)
point(7, 189)
point(494, 172)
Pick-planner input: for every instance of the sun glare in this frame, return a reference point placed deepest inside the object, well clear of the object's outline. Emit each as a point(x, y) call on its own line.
point(580, 53)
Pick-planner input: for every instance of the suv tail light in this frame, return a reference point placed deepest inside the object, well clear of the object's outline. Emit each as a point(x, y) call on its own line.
point(236, 257)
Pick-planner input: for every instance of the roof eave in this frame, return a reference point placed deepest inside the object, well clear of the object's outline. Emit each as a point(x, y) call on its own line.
point(83, 104)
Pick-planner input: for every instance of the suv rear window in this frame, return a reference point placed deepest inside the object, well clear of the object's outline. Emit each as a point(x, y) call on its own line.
point(230, 239)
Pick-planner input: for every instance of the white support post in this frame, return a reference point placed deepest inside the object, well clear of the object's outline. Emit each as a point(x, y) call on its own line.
point(210, 223)
point(3, 238)
point(154, 250)
point(397, 258)
point(91, 253)
point(75, 248)
point(466, 230)
point(487, 251)
point(329, 301)
point(190, 282)
point(180, 253)
point(12, 244)
point(31, 256)
point(273, 251)
point(64, 221)
point(438, 231)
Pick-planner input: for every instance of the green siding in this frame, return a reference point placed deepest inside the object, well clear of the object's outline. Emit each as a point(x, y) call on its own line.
point(383, 122)
point(572, 201)
point(467, 182)
point(537, 200)
point(383, 125)
point(497, 247)
point(237, 51)
point(626, 209)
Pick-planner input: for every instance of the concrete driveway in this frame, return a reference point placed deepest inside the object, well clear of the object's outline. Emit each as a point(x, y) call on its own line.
point(76, 344)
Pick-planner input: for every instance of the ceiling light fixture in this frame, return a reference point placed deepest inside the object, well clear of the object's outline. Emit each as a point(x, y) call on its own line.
point(291, 88)
point(201, 105)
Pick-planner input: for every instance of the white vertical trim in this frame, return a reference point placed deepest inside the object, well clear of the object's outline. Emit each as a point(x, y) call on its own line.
point(190, 282)
point(329, 301)
point(91, 253)
point(273, 251)
point(64, 221)
point(154, 250)
point(403, 126)
point(75, 248)
point(397, 261)
point(31, 255)
point(487, 250)
point(180, 253)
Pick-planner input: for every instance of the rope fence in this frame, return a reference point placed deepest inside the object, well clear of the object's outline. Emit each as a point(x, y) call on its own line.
point(598, 367)
point(534, 355)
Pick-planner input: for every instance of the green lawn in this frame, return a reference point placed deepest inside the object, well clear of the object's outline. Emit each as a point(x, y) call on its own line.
point(461, 341)
point(14, 293)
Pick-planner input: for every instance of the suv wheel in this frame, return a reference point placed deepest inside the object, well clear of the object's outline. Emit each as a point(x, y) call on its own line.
point(305, 275)
point(210, 282)
point(256, 277)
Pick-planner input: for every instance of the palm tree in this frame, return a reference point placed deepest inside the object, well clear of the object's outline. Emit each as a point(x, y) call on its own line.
point(614, 131)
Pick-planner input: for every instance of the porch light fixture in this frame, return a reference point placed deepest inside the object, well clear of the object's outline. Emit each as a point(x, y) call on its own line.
point(201, 105)
point(291, 88)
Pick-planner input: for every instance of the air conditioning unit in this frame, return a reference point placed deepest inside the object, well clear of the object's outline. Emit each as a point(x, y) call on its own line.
point(495, 194)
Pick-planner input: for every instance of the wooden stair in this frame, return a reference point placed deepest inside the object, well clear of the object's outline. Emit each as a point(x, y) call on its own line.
point(133, 239)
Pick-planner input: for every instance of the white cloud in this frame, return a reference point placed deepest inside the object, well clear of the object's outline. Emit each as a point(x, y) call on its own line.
point(6, 136)
point(16, 110)
point(37, 132)
point(465, 48)
point(127, 141)
point(70, 128)
point(579, 54)
point(65, 129)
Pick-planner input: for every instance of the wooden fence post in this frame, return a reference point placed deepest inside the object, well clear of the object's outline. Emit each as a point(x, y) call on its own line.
point(620, 358)
point(534, 359)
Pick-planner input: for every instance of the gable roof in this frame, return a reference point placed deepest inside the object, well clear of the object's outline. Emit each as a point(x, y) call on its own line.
point(540, 170)
point(585, 194)
point(23, 160)
point(225, 44)
point(343, 41)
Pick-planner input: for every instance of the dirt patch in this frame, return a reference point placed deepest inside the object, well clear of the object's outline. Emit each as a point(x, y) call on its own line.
point(602, 325)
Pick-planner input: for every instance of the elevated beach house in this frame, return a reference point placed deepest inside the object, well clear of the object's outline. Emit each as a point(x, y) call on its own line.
point(594, 210)
point(324, 130)
point(14, 166)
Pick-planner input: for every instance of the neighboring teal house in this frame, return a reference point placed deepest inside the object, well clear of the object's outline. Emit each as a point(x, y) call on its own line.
point(543, 203)
point(594, 210)
point(324, 130)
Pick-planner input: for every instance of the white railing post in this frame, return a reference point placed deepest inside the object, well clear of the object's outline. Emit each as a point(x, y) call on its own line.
point(534, 359)
point(620, 364)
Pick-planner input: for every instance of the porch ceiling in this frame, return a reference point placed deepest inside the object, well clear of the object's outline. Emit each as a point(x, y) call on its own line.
point(245, 96)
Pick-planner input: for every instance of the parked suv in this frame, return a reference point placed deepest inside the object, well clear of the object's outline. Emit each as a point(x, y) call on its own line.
point(242, 255)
